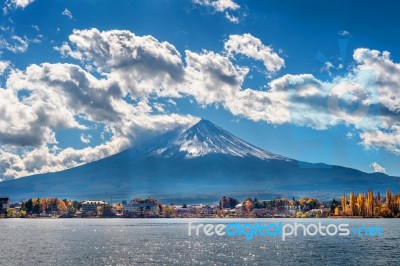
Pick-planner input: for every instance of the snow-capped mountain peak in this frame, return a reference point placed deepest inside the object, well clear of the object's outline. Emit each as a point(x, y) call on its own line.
point(206, 138)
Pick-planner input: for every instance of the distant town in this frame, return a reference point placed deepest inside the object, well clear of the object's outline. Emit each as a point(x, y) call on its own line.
point(353, 205)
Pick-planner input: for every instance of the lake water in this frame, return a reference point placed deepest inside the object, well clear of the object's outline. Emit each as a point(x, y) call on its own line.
point(166, 242)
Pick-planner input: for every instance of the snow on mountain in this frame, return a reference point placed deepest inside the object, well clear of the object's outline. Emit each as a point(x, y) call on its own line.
point(206, 138)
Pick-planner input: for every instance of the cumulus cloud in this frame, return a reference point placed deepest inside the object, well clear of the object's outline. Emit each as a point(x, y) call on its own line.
point(121, 76)
point(141, 64)
point(43, 159)
point(218, 5)
point(377, 168)
point(211, 77)
point(221, 6)
point(67, 13)
point(66, 51)
point(18, 3)
point(3, 66)
point(364, 98)
point(19, 123)
point(252, 47)
point(44, 98)
point(387, 139)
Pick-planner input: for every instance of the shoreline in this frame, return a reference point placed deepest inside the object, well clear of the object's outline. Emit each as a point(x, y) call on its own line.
point(177, 218)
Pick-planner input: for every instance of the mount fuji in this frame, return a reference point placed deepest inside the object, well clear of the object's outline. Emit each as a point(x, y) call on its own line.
point(199, 164)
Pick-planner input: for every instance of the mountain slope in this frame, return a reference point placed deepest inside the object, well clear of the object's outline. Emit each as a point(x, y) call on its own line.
point(202, 163)
point(205, 138)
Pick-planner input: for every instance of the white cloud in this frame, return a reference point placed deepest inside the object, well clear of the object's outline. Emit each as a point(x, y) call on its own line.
point(377, 168)
point(43, 159)
point(125, 80)
point(17, 44)
point(67, 13)
point(19, 124)
point(18, 3)
point(141, 64)
point(231, 18)
point(218, 5)
point(389, 140)
point(221, 6)
point(52, 97)
point(3, 66)
point(212, 78)
point(86, 139)
point(344, 33)
point(252, 47)
point(349, 135)
point(66, 50)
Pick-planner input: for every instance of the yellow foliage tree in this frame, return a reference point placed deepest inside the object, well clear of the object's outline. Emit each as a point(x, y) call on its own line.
point(344, 204)
point(370, 203)
point(389, 201)
point(62, 207)
point(361, 204)
point(352, 204)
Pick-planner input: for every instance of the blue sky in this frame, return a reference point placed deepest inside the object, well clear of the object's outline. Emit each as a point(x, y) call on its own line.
point(310, 80)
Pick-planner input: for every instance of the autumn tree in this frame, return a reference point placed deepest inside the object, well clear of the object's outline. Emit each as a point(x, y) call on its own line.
point(168, 211)
point(389, 201)
point(118, 208)
point(344, 204)
point(396, 202)
point(361, 204)
point(11, 213)
point(43, 205)
point(307, 204)
point(71, 208)
point(36, 206)
point(370, 203)
point(99, 210)
point(248, 205)
point(61, 207)
point(352, 205)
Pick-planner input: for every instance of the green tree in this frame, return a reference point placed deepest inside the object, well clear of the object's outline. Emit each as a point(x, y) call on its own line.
point(29, 206)
point(36, 206)
point(334, 205)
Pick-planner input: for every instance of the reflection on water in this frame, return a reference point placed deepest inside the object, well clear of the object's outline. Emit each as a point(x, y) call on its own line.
point(166, 242)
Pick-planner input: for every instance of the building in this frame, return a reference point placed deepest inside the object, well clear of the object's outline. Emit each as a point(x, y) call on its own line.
point(90, 206)
point(142, 208)
point(4, 204)
point(324, 212)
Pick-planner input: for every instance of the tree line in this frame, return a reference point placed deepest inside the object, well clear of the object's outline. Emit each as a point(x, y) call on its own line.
point(369, 205)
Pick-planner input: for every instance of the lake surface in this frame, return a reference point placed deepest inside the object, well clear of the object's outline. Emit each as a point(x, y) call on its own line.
point(166, 242)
